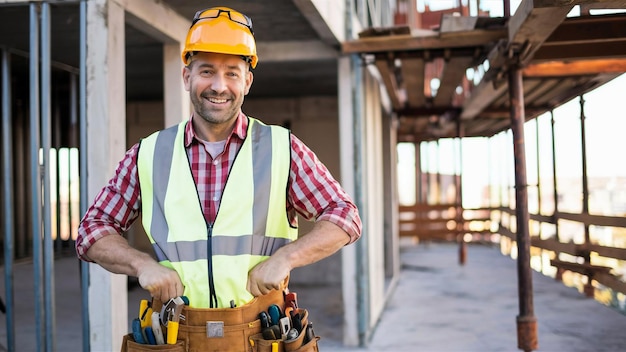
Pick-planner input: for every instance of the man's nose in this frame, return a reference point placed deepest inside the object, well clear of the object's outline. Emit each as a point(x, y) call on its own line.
point(218, 83)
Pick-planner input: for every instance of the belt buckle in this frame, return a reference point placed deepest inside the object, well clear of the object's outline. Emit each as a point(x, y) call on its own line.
point(214, 329)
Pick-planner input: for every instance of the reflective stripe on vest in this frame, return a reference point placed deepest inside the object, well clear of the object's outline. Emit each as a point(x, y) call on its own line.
point(251, 223)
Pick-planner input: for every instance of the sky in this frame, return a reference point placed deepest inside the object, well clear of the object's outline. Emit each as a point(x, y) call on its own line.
point(605, 123)
point(494, 6)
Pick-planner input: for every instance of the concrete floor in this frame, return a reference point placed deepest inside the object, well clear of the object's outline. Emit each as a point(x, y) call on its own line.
point(437, 305)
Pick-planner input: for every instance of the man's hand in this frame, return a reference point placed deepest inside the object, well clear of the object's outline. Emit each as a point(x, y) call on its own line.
point(162, 282)
point(114, 254)
point(322, 241)
point(268, 275)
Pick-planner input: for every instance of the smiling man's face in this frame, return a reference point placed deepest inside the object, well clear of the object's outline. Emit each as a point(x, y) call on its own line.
point(217, 84)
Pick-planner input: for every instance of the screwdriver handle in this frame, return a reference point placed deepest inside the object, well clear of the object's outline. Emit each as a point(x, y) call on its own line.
point(172, 332)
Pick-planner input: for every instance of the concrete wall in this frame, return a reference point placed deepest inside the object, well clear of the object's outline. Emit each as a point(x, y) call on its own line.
point(142, 119)
point(315, 121)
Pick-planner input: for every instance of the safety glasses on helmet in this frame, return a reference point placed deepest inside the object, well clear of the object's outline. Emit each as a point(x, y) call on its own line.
point(215, 12)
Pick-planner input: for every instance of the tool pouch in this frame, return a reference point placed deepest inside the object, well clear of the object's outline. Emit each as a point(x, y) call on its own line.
point(129, 345)
point(235, 329)
point(259, 344)
point(232, 337)
point(221, 329)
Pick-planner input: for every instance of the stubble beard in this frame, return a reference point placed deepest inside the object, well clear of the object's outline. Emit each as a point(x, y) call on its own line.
point(213, 116)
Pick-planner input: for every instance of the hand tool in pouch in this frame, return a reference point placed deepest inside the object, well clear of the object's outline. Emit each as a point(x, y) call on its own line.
point(156, 329)
point(285, 326)
point(146, 317)
point(291, 335)
point(275, 314)
point(271, 333)
point(150, 335)
point(291, 300)
point(309, 335)
point(174, 319)
point(265, 320)
point(137, 332)
point(143, 308)
point(296, 319)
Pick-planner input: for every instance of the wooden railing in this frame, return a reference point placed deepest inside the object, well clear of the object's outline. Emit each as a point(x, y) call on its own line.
point(599, 273)
point(442, 222)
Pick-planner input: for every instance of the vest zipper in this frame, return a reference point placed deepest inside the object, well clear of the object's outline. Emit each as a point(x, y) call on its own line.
point(212, 294)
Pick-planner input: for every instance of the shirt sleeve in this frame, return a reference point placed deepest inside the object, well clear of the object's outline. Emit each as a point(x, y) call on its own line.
point(316, 195)
point(115, 208)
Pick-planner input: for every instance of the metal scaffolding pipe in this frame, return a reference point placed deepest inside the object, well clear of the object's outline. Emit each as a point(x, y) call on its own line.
point(555, 191)
point(586, 254)
point(82, 150)
point(585, 180)
point(35, 174)
point(418, 172)
point(46, 108)
point(507, 8)
point(425, 176)
point(7, 184)
point(555, 194)
point(72, 144)
point(538, 166)
point(458, 181)
point(526, 321)
point(438, 192)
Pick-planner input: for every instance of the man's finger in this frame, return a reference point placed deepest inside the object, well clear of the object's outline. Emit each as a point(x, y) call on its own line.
point(254, 289)
point(180, 289)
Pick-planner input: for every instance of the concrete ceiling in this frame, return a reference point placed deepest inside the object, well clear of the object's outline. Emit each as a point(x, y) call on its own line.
point(275, 22)
point(298, 57)
point(278, 24)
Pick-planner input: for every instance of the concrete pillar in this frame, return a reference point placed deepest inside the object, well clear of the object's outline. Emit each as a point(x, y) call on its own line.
point(175, 97)
point(106, 144)
point(167, 26)
point(390, 196)
point(346, 149)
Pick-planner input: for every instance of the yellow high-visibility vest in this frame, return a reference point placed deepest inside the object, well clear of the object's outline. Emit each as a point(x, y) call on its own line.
point(213, 260)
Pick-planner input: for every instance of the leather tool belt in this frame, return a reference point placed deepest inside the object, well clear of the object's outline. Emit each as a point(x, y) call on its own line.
point(237, 329)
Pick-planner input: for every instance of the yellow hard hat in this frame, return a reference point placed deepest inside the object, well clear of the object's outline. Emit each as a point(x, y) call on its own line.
point(221, 30)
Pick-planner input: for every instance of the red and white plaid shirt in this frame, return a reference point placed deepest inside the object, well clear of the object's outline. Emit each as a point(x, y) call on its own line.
point(313, 192)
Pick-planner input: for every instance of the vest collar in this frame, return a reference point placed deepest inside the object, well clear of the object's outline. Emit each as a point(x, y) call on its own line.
point(240, 130)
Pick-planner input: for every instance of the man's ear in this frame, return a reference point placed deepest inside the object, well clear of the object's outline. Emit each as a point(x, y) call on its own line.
point(186, 77)
point(249, 79)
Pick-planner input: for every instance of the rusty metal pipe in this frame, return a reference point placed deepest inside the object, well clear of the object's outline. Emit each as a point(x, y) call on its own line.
point(588, 289)
point(458, 180)
point(526, 322)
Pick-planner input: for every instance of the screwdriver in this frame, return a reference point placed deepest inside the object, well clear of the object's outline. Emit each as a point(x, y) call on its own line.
point(275, 314)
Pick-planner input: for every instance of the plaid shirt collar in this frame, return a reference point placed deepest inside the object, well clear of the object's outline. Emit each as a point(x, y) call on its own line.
point(240, 130)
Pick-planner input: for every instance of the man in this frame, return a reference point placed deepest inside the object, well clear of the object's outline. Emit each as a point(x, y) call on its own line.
point(218, 193)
